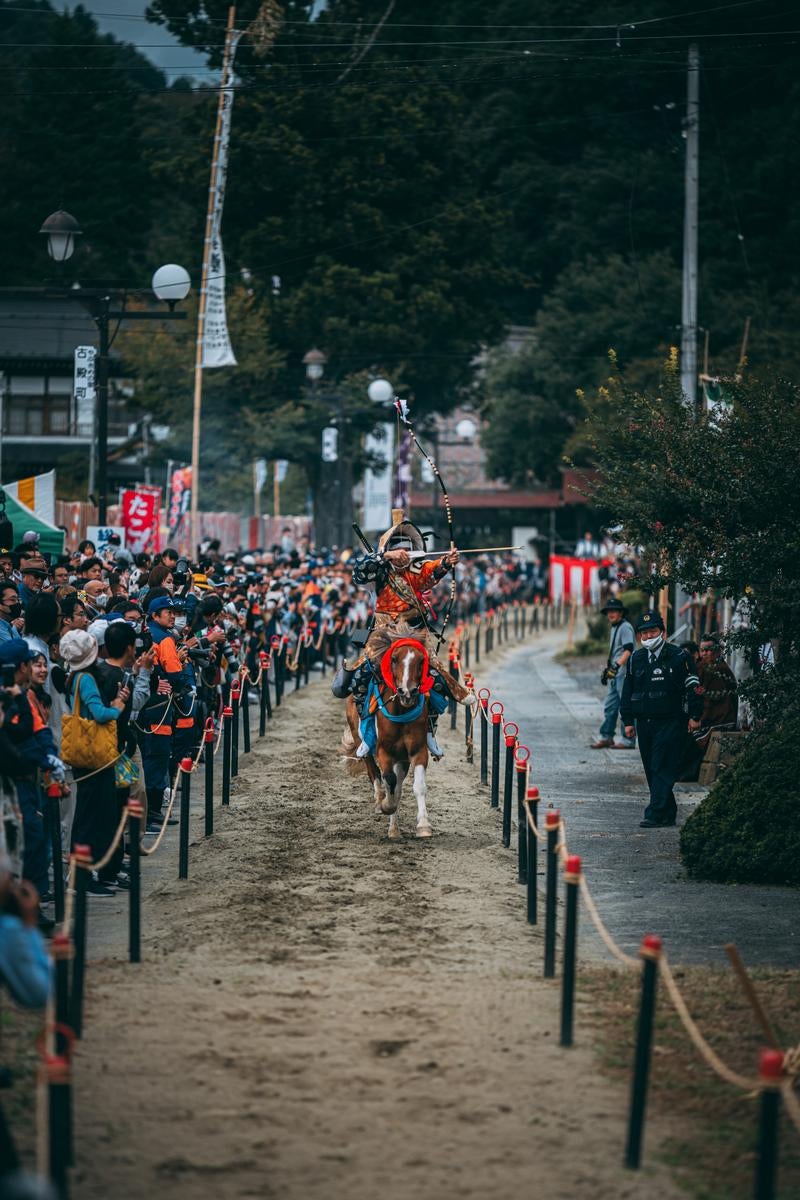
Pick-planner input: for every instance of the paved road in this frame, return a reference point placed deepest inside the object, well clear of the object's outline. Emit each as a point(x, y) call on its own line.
point(635, 874)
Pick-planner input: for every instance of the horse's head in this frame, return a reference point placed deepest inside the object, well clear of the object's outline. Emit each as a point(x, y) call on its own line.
point(407, 664)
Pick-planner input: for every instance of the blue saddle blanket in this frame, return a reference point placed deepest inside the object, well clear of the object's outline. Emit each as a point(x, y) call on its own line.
point(368, 727)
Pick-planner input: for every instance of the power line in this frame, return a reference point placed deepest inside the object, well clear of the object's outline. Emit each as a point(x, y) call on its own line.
point(327, 25)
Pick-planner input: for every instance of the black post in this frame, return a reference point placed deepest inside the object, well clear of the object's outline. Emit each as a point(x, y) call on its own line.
point(61, 951)
point(523, 616)
point(80, 855)
point(531, 855)
point(235, 698)
point(552, 823)
point(208, 739)
point(516, 619)
point(469, 723)
point(323, 645)
point(135, 814)
point(58, 1087)
point(246, 716)
point(267, 702)
point(101, 382)
point(262, 700)
point(183, 831)
point(466, 647)
point(227, 718)
point(308, 647)
point(497, 718)
point(484, 741)
point(275, 643)
point(572, 878)
point(650, 951)
point(770, 1069)
point(508, 781)
point(54, 825)
point(477, 641)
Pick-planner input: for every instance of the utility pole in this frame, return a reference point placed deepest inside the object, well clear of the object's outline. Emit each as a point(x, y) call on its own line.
point(691, 195)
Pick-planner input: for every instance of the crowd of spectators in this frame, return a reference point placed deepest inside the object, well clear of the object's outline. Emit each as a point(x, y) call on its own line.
point(147, 643)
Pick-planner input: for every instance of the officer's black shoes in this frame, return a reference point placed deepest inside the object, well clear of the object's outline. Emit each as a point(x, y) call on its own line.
point(648, 824)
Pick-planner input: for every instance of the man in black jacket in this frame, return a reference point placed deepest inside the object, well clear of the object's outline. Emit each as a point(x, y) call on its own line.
point(661, 686)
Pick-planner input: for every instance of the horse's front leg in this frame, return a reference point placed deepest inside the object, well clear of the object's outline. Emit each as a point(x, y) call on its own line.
point(400, 771)
point(386, 766)
point(419, 764)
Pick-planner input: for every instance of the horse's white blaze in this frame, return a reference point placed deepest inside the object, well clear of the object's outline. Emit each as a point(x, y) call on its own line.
point(407, 661)
point(421, 794)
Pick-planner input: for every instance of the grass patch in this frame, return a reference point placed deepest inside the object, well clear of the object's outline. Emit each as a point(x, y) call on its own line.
point(585, 648)
point(19, 1030)
point(714, 1153)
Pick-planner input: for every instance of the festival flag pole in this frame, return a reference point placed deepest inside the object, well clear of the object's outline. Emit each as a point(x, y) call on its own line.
point(213, 217)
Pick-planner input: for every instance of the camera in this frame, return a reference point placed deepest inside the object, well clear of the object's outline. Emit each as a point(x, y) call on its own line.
point(7, 673)
point(608, 673)
point(180, 574)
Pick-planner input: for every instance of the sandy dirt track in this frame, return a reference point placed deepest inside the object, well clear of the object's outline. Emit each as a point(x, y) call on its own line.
point(323, 1012)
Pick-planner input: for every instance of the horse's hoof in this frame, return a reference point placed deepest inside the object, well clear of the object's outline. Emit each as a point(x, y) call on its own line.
point(395, 833)
point(424, 831)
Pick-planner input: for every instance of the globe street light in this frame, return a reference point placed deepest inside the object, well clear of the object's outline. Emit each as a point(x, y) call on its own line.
point(170, 283)
point(60, 229)
point(380, 391)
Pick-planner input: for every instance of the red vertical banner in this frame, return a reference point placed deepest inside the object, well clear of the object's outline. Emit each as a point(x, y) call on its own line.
point(140, 519)
point(180, 500)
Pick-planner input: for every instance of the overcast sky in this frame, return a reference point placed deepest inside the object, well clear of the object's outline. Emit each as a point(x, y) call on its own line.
point(125, 19)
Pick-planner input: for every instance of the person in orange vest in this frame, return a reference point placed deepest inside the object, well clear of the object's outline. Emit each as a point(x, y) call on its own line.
point(168, 684)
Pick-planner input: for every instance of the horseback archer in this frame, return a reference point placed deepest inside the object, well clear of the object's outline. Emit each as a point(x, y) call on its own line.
point(402, 608)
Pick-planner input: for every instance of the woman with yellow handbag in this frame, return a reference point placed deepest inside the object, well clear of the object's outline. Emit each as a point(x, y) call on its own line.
point(89, 745)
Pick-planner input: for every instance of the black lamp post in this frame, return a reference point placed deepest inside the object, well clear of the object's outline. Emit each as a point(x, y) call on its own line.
point(170, 283)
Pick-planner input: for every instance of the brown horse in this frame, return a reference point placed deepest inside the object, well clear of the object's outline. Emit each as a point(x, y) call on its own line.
point(404, 680)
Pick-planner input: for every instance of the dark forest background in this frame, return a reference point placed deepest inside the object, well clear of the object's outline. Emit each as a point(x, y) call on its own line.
point(417, 187)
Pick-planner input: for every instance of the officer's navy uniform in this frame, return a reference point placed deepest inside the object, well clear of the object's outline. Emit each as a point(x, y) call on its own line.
point(659, 694)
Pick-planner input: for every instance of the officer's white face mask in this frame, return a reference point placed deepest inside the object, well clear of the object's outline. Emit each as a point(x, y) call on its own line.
point(654, 644)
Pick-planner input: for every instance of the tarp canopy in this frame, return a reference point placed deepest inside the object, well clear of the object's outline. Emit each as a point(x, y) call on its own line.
point(51, 539)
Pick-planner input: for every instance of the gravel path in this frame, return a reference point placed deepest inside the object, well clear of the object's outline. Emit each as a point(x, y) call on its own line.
point(324, 1013)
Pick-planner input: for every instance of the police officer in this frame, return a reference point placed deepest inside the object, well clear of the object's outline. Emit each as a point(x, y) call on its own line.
point(660, 679)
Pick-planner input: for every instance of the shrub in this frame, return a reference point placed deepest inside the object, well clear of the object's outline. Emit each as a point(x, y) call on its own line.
point(747, 830)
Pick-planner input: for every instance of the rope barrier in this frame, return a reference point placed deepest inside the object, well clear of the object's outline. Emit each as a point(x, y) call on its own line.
point(748, 1084)
point(112, 849)
point(706, 1052)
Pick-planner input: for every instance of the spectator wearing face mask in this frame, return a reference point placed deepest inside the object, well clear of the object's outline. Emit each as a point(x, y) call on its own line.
point(98, 596)
point(660, 679)
point(11, 619)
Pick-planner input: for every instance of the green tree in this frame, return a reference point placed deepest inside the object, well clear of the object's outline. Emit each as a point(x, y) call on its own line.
point(714, 503)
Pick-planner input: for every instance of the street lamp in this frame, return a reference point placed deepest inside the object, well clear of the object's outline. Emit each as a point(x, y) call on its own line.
point(314, 362)
point(170, 283)
point(60, 229)
point(380, 391)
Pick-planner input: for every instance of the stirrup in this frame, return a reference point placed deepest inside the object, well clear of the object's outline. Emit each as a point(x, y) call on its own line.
point(434, 747)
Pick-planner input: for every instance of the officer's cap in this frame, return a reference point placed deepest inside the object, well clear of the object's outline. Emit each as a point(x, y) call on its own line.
point(649, 620)
point(16, 652)
point(160, 602)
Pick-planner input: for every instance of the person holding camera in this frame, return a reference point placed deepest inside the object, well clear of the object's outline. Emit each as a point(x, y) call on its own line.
point(622, 642)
